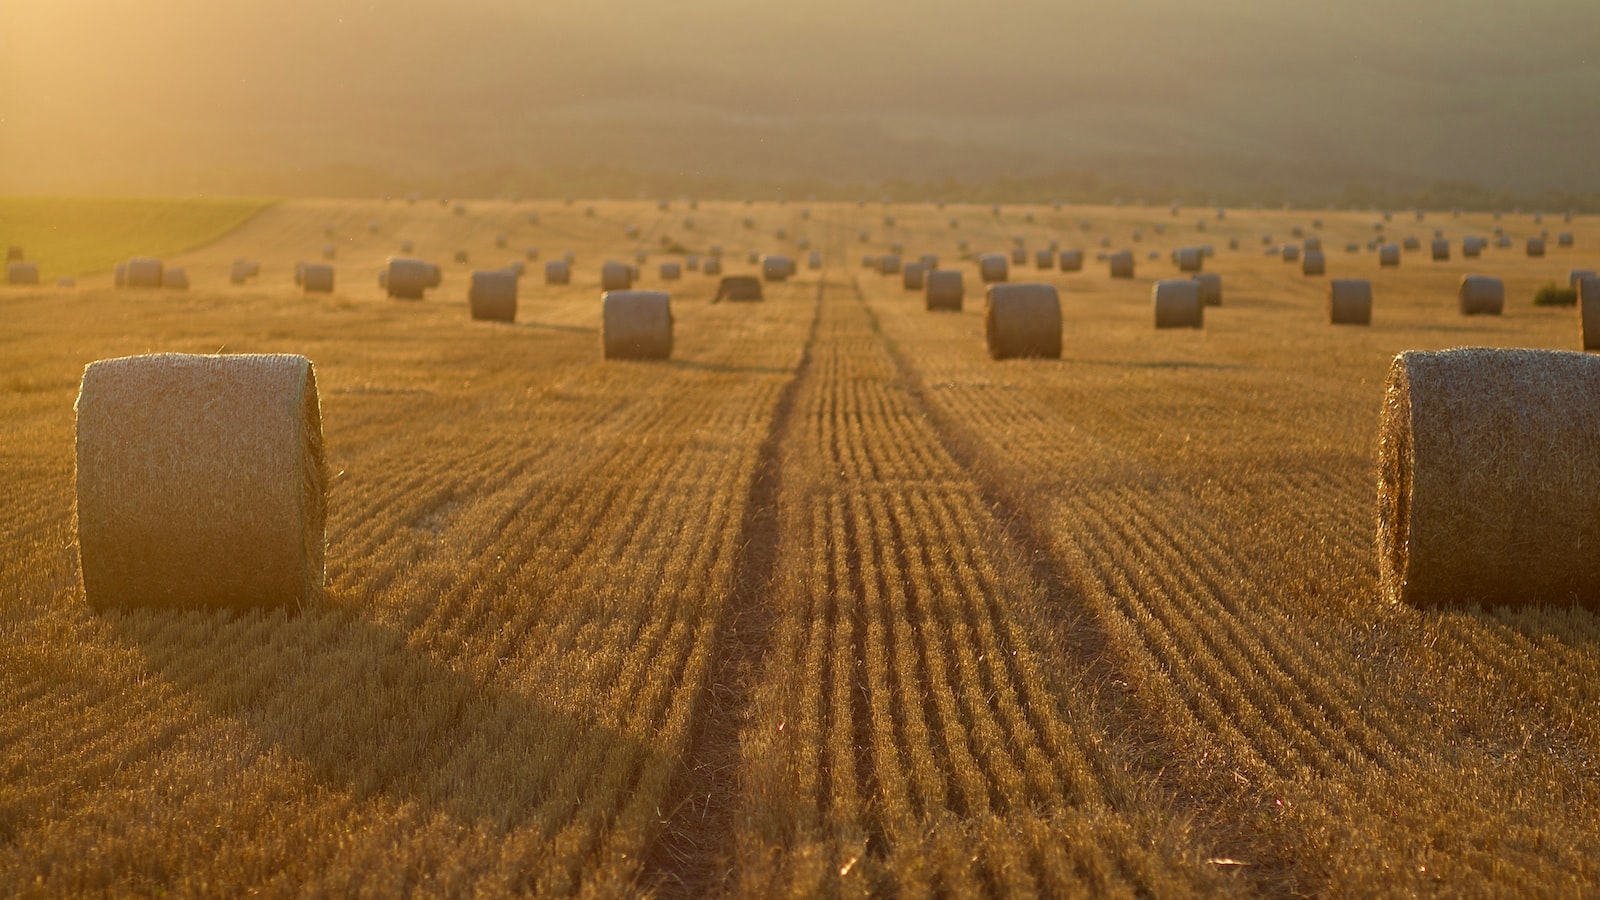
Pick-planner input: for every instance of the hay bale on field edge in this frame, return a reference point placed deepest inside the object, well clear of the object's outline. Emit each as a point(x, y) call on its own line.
point(1486, 478)
point(1022, 320)
point(1350, 301)
point(943, 289)
point(200, 481)
point(492, 296)
point(636, 325)
point(1481, 295)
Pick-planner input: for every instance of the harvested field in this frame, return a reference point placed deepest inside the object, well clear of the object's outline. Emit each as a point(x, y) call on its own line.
point(828, 603)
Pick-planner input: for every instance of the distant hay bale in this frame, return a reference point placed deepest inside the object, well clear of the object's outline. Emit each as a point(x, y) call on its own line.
point(1576, 275)
point(1535, 246)
point(1019, 256)
point(1177, 304)
point(993, 268)
point(632, 231)
point(636, 325)
point(691, 263)
point(911, 276)
point(1564, 239)
point(459, 209)
point(14, 253)
point(1210, 285)
point(1291, 253)
point(1352, 247)
point(175, 279)
point(243, 270)
point(1070, 260)
point(317, 278)
point(943, 289)
point(492, 296)
point(1486, 474)
point(1589, 310)
point(461, 257)
point(200, 481)
point(671, 271)
point(1121, 263)
point(517, 267)
point(1503, 241)
point(778, 268)
point(533, 218)
point(299, 274)
point(22, 273)
point(889, 264)
point(1389, 255)
point(1472, 247)
point(1190, 259)
point(530, 254)
point(144, 272)
point(501, 239)
point(1441, 250)
point(616, 276)
point(1022, 320)
point(557, 271)
point(930, 261)
point(739, 289)
point(1350, 301)
point(329, 251)
point(753, 258)
point(711, 266)
point(1313, 263)
point(407, 279)
point(1481, 295)
point(1311, 243)
point(1044, 259)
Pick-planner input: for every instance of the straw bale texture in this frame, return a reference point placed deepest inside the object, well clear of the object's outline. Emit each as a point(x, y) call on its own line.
point(1486, 478)
point(1044, 259)
point(1350, 301)
point(200, 481)
point(671, 271)
point(493, 296)
point(1535, 246)
point(1189, 259)
point(777, 268)
point(889, 264)
point(1481, 295)
point(1389, 255)
point(636, 325)
point(1177, 304)
point(1441, 250)
point(1022, 320)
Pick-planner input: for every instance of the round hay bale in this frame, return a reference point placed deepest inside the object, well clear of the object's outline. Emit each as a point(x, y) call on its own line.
point(492, 296)
point(407, 279)
point(711, 266)
point(1389, 255)
point(243, 270)
point(329, 251)
point(930, 261)
point(911, 277)
point(406, 246)
point(1503, 241)
point(1177, 304)
point(777, 268)
point(1022, 320)
point(1577, 275)
point(1019, 256)
point(691, 262)
point(517, 267)
point(993, 268)
point(1486, 473)
point(175, 279)
point(1210, 288)
point(889, 264)
point(435, 275)
point(556, 271)
point(1070, 260)
point(1313, 263)
point(317, 278)
point(1589, 310)
point(1536, 246)
point(636, 325)
point(14, 253)
point(1350, 301)
point(22, 273)
point(616, 276)
point(1441, 250)
point(1121, 263)
point(200, 481)
point(1311, 243)
point(1291, 253)
point(1564, 239)
point(671, 271)
point(1044, 259)
point(1189, 259)
point(1472, 247)
point(739, 289)
point(943, 289)
point(1481, 295)
point(144, 272)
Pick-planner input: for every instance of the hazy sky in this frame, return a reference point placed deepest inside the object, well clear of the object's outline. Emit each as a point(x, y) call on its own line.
point(92, 91)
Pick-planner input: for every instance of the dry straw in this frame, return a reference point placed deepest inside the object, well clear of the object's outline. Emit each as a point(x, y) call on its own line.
point(889, 264)
point(1071, 261)
point(1022, 320)
point(1487, 462)
point(1350, 301)
point(913, 275)
point(1177, 304)
point(1190, 259)
point(636, 325)
point(1535, 246)
point(671, 271)
point(1044, 259)
point(1389, 255)
point(1441, 250)
point(1481, 295)
point(943, 289)
point(493, 296)
point(200, 481)
point(175, 279)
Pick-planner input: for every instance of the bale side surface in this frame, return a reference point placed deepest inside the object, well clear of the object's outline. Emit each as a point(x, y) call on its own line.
point(616, 276)
point(944, 289)
point(200, 481)
point(1481, 295)
point(993, 268)
point(1177, 304)
point(1210, 288)
point(1022, 320)
point(143, 272)
point(636, 325)
point(1589, 311)
point(1121, 264)
point(492, 296)
point(1487, 486)
point(317, 279)
point(1350, 301)
point(407, 279)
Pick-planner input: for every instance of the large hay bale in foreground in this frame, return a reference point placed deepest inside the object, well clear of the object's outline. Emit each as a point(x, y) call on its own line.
point(993, 267)
point(636, 325)
point(1487, 462)
point(1210, 284)
point(407, 279)
point(200, 481)
point(1177, 304)
point(943, 289)
point(492, 295)
point(1121, 263)
point(1350, 301)
point(615, 276)
point(1022, 320)
point(22, 273)
point(143, 272)
point(317, 278)
point(1589, 311)
point(1481, 295)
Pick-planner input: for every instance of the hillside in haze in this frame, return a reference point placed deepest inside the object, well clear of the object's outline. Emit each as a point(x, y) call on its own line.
point(1235, 97)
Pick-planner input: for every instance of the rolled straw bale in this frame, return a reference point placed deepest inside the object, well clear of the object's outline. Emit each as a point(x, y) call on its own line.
point(1577, 275)
point(1350, 301)
point(13, 253)
point(1589, 310)
point(1441, 250)
point(943, 289)
point(493, 296)
point(1352, 247)
point(802, 243)
point(1153, 255)
point(632, 231)
point(930, 261)
point(119, 276)
point(200, 481)
point(1019, 256)
point(671, 271)
point(1389, 255)
point(66, 282)
point(406, 246)
point(1070, 260)
point(993, 268)
point(1535, 246)
point(1313, 263)
point(144, 272)
point(1190, 259)
point(1022, 320)
point(317, 278)
point(1291, 253)
point(1121, 263)
point(556, 271)
point(911, 277)
point(175, 279)
point(1564, 239)
point(616, 276)
point(1177, 304)
point(739, 288)
point(633, 272)
point(407, 279)
point(1472, 247)
point(1210, 288)
point(691, 263)
point(711, 266)
point(1503, 241)
point(777, 268)
point(243, 270)
point(1311, 243)
point(1481, 295)
point(1486, 475)
point(636, 325)
point(435, 275)
point(889, 264)
point(962, 245)
point(1044, 259)
point(22, 273)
